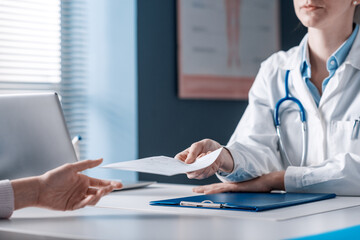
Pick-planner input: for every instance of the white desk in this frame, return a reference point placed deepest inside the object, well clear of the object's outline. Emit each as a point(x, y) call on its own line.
point(106, 223)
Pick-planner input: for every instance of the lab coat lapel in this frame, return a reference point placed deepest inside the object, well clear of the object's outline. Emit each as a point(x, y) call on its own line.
point(313, 118)
point(333, 86)
point(301, 91)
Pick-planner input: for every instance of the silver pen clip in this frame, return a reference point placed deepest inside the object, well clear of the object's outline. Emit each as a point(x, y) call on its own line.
point(355, 130)
point(206, 203)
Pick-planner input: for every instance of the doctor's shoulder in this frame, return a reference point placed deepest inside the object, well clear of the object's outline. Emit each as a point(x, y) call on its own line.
point(279, 61)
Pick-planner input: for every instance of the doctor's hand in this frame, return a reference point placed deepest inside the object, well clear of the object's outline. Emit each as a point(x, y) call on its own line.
point(224, 162)
point(265, 183)
point(63, 188)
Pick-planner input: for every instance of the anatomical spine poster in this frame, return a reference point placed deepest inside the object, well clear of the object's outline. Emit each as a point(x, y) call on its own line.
point(221, 44)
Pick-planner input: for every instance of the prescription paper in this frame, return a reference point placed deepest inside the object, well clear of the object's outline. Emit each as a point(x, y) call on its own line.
point(163, 165)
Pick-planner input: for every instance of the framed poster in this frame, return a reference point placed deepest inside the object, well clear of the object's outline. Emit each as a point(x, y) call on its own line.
point(221, 44)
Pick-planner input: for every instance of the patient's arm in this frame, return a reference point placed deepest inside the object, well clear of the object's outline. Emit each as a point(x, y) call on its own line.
point(63, 188)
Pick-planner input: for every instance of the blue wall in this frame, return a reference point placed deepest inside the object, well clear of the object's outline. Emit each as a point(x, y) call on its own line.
point(113, 84)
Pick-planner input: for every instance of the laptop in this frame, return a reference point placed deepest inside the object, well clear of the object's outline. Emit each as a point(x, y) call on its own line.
point(33, 135)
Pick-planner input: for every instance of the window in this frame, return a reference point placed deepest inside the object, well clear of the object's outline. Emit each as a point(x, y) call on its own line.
point(42, 48)
point(30, 42)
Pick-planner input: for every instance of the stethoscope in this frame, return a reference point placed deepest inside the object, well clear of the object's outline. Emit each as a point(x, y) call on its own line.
point(302, 118)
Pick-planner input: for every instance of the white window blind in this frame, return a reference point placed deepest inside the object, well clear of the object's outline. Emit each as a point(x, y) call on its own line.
point(30, 41)
point(74, 60)
point(43, 47)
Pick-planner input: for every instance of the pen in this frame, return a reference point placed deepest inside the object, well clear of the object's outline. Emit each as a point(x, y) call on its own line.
point(206, 203)
point(278, 191)
point(355, 130)
point(76, 139)
point(75, 142)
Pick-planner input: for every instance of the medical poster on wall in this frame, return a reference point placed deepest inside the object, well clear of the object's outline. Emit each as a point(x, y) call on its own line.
point(221, 44)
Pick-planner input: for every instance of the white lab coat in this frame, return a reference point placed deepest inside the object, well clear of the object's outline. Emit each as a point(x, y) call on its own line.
point(333, 159)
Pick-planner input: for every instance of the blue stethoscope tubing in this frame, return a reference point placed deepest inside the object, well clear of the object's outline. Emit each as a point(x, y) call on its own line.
point(302, 118)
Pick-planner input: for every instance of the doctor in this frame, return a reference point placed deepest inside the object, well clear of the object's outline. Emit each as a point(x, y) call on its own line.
point(312, 93)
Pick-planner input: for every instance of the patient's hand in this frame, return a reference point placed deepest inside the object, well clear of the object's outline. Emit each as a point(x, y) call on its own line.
point(63, 188)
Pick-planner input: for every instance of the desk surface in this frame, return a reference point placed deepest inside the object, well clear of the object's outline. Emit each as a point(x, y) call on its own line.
point(106, 223)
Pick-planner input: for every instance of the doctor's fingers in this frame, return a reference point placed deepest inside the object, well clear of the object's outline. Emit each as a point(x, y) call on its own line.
point(206, 173)
point(209, 171)
point(182, 155)
point(216, 188)
point(194, 151)
point(203, 173)
point(194, 174)
point(259, 184)
point(203, 154)
point(199, 174)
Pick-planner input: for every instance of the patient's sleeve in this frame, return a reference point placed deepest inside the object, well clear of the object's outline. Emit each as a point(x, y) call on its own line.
point(6, 199)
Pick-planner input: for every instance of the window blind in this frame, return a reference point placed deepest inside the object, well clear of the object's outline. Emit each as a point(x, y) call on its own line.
point(30, 44)
point(42, 48)
point(73, 87)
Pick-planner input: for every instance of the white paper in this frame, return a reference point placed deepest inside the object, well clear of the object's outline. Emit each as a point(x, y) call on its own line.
point(167, 166)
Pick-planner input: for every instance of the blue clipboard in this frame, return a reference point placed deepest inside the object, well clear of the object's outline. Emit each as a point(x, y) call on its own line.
point(254, 202)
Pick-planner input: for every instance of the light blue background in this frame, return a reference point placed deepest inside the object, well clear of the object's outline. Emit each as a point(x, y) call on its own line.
point(113, 87)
